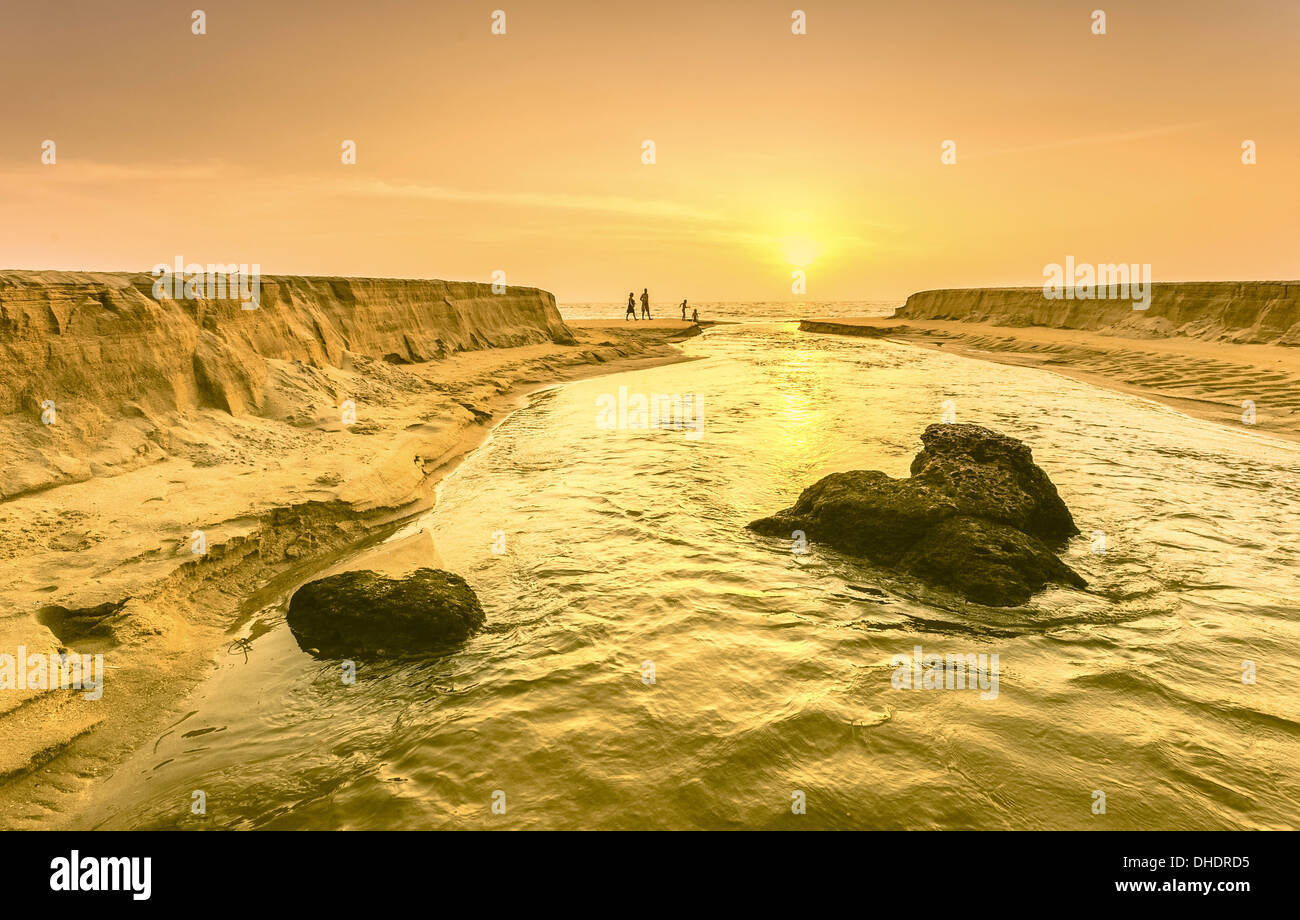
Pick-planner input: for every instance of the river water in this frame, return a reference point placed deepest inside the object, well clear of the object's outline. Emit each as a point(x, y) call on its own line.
point(650, 663)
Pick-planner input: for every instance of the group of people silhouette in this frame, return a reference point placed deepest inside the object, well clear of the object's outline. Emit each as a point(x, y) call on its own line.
point(645, 307)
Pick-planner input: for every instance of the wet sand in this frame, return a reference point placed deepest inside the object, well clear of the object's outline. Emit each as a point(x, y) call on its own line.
point(1204, 379)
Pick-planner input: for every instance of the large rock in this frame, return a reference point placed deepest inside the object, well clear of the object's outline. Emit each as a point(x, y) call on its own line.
point(992, 476)
point(363, 612)
point(977, 515)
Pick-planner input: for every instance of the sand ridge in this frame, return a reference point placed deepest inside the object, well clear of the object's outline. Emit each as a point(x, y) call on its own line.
point(1254, 312)
point(1204, 378)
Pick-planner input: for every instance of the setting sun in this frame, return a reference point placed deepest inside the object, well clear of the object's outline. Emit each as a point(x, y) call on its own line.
point(799, 250)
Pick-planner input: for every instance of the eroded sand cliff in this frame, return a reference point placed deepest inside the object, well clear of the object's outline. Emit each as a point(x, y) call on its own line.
point(118, 365)
point(1256, 312)
point(1225, 351)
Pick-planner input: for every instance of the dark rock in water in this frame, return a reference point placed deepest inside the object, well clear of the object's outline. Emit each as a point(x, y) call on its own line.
point(989, 563)
point(863, 512)
point(992, 476)
point(976, 516)
point(362, 612)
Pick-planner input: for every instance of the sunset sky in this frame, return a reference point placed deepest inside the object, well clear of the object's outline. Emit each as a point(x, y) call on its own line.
point(523, 152)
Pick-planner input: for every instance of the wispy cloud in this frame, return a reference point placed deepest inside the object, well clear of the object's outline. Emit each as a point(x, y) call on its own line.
point(652, 220)
point(69, 169)
point(1118, 137)
point(607, 204)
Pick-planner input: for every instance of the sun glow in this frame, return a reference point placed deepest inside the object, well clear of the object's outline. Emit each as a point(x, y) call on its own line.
point(799, 250)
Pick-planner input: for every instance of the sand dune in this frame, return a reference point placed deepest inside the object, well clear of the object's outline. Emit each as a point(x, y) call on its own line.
point(1205, 379)
point(1220, 350)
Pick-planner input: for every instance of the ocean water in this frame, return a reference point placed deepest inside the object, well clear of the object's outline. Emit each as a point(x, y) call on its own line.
point(626, 553)
point(732, 311)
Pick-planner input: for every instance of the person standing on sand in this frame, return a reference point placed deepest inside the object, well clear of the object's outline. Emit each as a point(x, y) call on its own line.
point(645, 303)
point(631, 307)
point(695, 317)
point(683, 311)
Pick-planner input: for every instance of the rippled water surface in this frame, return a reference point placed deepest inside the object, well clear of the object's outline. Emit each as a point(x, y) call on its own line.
point(773, 670)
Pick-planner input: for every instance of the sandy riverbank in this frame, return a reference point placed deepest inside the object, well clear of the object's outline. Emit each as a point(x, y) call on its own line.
point(105, 564)
point(1203, 378)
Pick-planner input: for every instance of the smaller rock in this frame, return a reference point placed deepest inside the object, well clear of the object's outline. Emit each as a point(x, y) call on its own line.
point(364, 612)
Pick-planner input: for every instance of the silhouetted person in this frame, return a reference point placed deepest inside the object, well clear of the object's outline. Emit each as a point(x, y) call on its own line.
point(695, 317)
point(631, 307)
point(683, 311)
point(645, 303)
